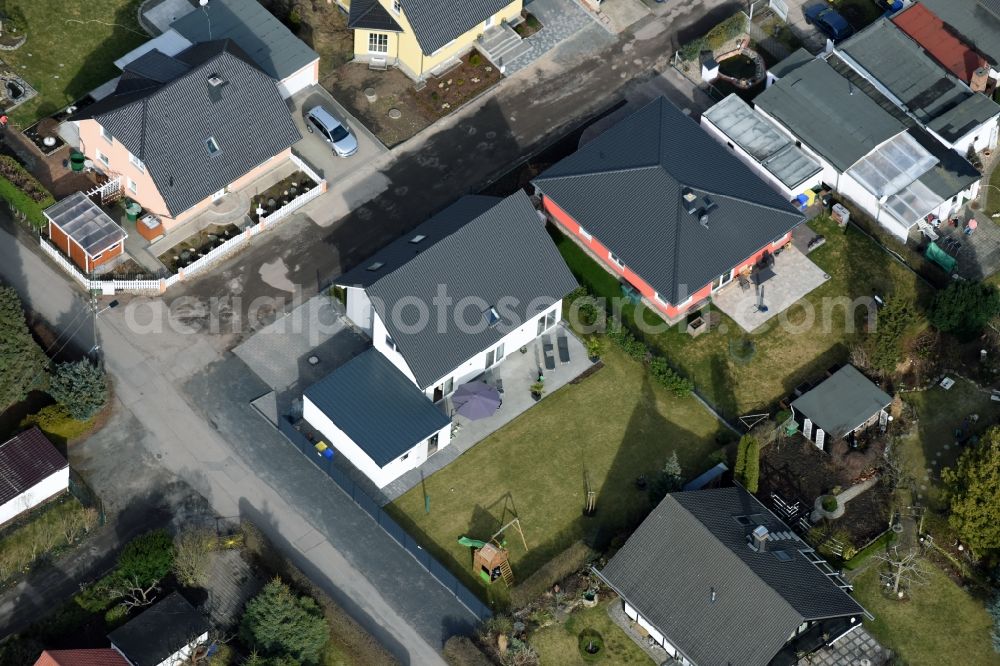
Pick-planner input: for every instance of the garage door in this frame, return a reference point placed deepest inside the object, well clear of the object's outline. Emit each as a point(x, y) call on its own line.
point(303, 78)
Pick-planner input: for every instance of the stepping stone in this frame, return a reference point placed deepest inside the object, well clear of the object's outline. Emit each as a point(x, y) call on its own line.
point(946, 447)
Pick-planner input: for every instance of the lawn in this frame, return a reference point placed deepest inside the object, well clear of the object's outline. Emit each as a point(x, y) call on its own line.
point(940, 624)
point(70, 50)
point(931, 445)
point(797, 345)
point(606, 431)
point(559, 643)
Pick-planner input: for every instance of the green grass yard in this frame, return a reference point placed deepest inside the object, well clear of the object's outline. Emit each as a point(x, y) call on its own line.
point(70, 50)
point(609, 429)
point(559, 643)
point(940, 624)
point(821, 332)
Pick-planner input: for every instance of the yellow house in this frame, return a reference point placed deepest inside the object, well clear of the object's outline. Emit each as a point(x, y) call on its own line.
point(423, 36)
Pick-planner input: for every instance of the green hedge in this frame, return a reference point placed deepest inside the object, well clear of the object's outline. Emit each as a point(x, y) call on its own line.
point(23, 192)
point(879, 544)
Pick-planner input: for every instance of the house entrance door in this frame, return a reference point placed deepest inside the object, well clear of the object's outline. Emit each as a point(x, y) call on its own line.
point(432, 446)
point(722, 281)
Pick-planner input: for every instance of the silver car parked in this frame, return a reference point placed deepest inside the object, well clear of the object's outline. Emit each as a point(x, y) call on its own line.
point(332, 130)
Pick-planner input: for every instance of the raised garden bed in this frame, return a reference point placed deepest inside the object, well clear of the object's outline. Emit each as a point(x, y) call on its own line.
point(45, 135)
point(281, 194)
point(444, 94)
point(194, 247)
point(529, 26)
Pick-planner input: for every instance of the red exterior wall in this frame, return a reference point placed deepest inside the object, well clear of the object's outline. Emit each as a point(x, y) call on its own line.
point(671, 311)
point(76, 253)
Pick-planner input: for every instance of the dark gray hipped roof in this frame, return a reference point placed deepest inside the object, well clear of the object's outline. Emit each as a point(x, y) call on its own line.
point(626, 188)
point(978, 25)
point(26, 460)
point(500, 256)
point(255, 30)
point(166, 124)
point(86, 223)
point(437, 22)
point(842, 402)
point(371, 15)
point(377, 406)
point(692, 546)
point(828, 113)
point(931, 93)
point(159, 631)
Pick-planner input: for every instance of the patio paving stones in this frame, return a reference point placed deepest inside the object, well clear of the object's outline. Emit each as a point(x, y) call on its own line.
point(560, 19)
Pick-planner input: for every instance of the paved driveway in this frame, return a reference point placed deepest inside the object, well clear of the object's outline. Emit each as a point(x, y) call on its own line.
point(316, 152)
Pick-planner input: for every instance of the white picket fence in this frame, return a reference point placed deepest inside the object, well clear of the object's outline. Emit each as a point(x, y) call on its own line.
point(228, 248)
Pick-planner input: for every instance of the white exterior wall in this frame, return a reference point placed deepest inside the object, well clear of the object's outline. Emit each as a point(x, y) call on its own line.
point(379, 335)
point(829, 173)
point(654, 634)
point(359, 308)
point(345, 446)
point(181, 656)
point(47, 488)
point(303, 78)
point(982, 138)
point(757, 167)
point(476, 365)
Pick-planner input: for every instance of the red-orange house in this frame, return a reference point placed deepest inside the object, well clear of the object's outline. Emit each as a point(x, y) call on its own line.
point(83, 232)
point(662, 205)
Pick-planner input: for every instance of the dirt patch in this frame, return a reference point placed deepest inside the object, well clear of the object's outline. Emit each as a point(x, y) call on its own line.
point(323, 26)
point(128, 270)
point(445, 93)
point(393, 90)
point(191, 248)
point(281, 193)
point(529, 26)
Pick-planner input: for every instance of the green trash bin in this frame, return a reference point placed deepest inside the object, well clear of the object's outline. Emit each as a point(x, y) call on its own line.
point(76, 160)
point(132, 210)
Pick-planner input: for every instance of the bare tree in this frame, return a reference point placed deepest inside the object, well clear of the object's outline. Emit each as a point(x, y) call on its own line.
point(903, 570)
point(132, 594)
point(193, 549)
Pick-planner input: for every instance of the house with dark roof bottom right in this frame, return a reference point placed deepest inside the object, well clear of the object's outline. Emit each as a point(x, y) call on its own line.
point(716, 579)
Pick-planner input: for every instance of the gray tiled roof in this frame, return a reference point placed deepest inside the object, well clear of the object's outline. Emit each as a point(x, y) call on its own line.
point(371, 15)
point(159, 631)
point(932, 94)
point(690, 546)
point(26, 460)
point(166, 125)
point(156, 66)
point(255, 30)
point(500, 257)
point(842, 402)
point(82, 220)
point(828, 113)
point(377, 406)
point(625, 187)
point(437, 22)
point(977, 25)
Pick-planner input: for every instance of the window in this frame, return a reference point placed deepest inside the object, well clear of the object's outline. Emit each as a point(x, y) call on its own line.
point(730, 144)
point(103, 158)
point(375, 266)
point(136, 162)
point(500, 351)
point(416, 239)
point(396, 7)
point(378, 42)
point(107, 135)
point(132, 187)
point(615, 260)
point(546, 321)
point(491, 316)
point(211, 145)
point(586, 234)
point(405, 456)
point(390, 343)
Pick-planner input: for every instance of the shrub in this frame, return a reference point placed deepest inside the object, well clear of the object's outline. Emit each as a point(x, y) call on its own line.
point(669, 378)
point(81, 387)
point(192, 550)
point(974, 502)
point(57, 424)
point(594, 347)
point(475, 59)
point(887, 341)
point(147, 558)
point(280, 623)
point(624, 339)
point(964, 308)
point(747, 469)
point(22, 361)
point(829, 504)
point(43, 532)
point(23, 192)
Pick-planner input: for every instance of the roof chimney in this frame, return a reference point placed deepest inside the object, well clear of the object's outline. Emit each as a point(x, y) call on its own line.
point(758, 538)
point(215, 80)
point(980, 79)
point(690, 200)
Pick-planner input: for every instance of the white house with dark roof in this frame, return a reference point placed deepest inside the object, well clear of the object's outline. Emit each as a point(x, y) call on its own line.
point(164, 634)
point(717, 579)
point(452, 298)
point(32, 471)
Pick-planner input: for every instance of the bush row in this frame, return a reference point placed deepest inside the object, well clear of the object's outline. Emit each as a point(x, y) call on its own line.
point(658, 366)
point(26, 196)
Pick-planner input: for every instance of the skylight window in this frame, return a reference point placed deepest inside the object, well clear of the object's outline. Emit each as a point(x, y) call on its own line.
point(491, 316)
point(377, 265)
point(211, 145)
point(416, 239)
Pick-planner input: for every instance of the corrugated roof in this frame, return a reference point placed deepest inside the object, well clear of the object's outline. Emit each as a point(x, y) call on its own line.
point(842, 402)
point(689, 571)
point(377, 407)
point(928, 30)
point(437, 22)
point(26, 460)
point(371, 15)
point(167, 124)
point(759, 137)
point(255, 30)
point(977, 25)
point(159, 631)
point(86, 223)
point(88, 657)
point(500, 258)
point(828, 113)
point(927, 90)
point(626, 187)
